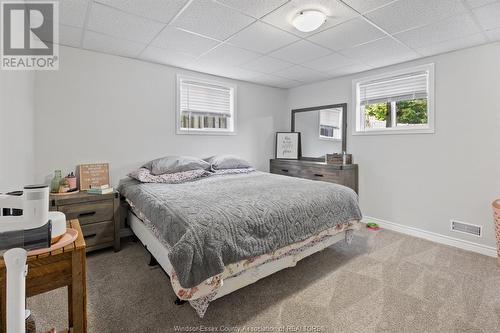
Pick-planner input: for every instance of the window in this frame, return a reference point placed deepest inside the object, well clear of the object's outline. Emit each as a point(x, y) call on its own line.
point(205, 107)
point(330, 122)
point(399, 102)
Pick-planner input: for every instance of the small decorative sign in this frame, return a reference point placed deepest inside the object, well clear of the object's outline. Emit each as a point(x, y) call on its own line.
point(93, 175)
point(288, 145)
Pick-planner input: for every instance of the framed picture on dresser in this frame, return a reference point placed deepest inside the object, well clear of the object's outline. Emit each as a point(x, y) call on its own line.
point(288, 145)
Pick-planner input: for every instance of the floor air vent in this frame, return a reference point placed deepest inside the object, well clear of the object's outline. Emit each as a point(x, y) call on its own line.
point(466, 228)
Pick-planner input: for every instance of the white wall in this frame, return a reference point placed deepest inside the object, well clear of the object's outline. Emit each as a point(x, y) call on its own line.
point(103, 108)
point(16, 129)
point(425, 180)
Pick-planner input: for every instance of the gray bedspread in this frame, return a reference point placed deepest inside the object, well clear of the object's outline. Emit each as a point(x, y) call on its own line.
point(215, 221)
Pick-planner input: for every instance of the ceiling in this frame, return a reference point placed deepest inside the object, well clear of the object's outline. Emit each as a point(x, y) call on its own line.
point(253, 40)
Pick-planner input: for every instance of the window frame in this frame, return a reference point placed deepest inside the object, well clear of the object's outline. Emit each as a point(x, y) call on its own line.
point(358, 129)
point(204, 131)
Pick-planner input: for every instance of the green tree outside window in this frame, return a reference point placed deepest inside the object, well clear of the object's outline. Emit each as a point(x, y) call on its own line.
point(407, 112)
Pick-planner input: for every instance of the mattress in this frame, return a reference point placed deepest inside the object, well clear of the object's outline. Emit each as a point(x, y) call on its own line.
point(141, 227)
point(211, 223)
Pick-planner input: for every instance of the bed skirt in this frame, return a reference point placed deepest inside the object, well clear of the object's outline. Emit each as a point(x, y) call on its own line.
point(240, 274)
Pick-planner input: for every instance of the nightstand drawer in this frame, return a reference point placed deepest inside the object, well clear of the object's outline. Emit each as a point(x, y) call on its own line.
point(97, 234)
point(89, 212)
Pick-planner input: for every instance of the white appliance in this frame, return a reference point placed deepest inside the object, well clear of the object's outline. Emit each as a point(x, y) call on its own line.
point(25, 224)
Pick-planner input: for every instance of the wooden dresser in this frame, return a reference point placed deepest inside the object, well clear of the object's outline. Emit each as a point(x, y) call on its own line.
point(346, 175)
point(98, 216)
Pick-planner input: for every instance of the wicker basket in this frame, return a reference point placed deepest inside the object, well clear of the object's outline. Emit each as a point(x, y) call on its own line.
point(496, 216)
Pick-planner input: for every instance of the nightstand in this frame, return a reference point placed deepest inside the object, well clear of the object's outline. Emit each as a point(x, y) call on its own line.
point(98, 216)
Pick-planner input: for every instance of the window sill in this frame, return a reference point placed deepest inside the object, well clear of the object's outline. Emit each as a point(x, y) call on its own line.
point(180, 132)
point(329, 139)
point(395, 132)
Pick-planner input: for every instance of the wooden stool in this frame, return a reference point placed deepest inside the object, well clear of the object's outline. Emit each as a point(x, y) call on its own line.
point(52, 270)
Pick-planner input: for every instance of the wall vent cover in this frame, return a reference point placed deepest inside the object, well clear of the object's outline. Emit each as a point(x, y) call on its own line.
point(466, 228)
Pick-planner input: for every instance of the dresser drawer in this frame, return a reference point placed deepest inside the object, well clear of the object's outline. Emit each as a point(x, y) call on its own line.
point(285, 168)
point(97, 234)
point(346, 175)
point(88, 212)
point(315, 172)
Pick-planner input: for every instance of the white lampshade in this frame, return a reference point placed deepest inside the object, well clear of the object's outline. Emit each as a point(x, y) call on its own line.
point(308, 20)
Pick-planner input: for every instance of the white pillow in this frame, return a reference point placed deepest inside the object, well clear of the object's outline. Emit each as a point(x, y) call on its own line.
point(219, 162)
point(173, 164)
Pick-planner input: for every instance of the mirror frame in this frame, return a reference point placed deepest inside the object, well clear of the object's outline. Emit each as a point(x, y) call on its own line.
point(331, 106)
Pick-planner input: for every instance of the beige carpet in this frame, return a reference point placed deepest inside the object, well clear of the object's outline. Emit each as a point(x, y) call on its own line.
point(383, 282)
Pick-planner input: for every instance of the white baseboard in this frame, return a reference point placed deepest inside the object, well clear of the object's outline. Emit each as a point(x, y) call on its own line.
point(434, 237)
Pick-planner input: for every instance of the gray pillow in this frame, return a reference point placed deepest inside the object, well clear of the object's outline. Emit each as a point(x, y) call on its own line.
point(173, 164)
point(219, 162)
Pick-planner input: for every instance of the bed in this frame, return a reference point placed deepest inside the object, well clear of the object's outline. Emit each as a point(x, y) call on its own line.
point(220, 233)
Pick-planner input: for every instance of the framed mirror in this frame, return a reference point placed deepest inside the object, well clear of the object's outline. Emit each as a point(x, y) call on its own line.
point(323, 129)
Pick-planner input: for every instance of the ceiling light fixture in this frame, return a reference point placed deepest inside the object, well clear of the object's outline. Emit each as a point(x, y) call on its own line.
point(308, 20)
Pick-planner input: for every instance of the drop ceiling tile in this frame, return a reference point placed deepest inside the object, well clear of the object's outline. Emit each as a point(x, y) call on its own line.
point(70, 36)
point(364, 6)
point(300, 52)
point(479, 3)
point(454, 44)
point(302, 74)
point(266, 64)
point(118, 24)
point(222, 70)
point(159, 10)
point(237, 73)
point(382, 52)
point(489, 16)
point(347, 70)
point(408, 14)
point(262, 37)
point(212, 19)
point(227, 55)
point(184, 42)
point(255, 8)
point(276, 81)
point(439, 32)
point(494, 34)
point(71, 12)
point(336, 11)
point(166, 57)
point(106, 44)
point(358, 31)
point(329, 62)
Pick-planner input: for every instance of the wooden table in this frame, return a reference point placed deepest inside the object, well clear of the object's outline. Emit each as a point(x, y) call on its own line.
point(52, 270)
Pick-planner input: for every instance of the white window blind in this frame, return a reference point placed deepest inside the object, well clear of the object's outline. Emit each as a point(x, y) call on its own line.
point(329, 118)
point(197, 97)
point(205, 106)
point(398, 88)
